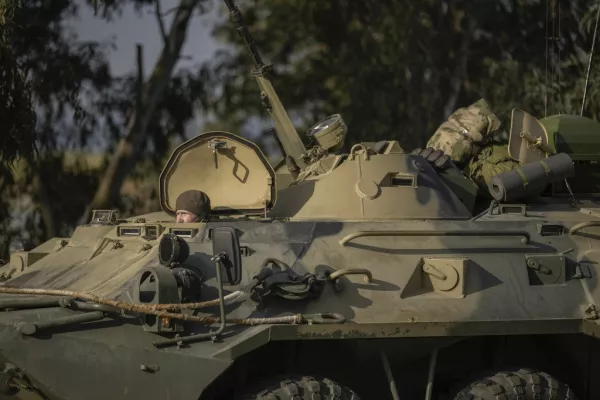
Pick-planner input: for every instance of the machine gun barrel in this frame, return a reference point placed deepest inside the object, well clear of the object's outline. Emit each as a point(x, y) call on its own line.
point(238, 19)
point(284, 129)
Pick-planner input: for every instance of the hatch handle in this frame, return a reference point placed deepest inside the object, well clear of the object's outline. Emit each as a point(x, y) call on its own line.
point(463, 232)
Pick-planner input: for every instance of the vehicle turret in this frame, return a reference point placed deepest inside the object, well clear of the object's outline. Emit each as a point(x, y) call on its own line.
point(374, 181)
point(360, 273)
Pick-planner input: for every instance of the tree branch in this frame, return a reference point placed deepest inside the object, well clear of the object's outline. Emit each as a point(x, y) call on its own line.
point(169, 11)
point(161, 23)
point(128, 149)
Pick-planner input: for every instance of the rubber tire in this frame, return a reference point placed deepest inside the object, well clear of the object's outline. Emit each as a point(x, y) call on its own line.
point(301, 388)
point(517, 384)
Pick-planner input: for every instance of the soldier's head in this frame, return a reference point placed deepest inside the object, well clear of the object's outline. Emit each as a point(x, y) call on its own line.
point(192, 206)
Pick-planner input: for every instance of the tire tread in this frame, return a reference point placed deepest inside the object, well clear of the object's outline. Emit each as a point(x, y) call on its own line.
point(300, 387)
point(516, 384)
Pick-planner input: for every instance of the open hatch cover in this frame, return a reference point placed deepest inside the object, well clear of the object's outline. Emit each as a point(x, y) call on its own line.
point(528, 139)
point(231, 170)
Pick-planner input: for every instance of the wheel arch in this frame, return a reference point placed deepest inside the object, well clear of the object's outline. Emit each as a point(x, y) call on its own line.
point(571, 358)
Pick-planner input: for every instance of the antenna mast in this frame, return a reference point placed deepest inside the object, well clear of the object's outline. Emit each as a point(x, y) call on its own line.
point(284, 129)
point(546, 70)
point(587, 77)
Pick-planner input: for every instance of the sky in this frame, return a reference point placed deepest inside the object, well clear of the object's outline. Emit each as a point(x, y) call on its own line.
point(134, 27)
point(141, 26)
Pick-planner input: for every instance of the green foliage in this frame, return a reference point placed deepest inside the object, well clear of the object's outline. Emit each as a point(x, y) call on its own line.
point(46, 71)
point(398, 69)
point(7, 9)
point(79, 104)
point(393, 69)
point(17, 119)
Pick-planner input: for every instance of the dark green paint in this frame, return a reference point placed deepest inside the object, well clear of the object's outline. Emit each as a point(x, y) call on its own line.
point(496, 293)
point(574, 135)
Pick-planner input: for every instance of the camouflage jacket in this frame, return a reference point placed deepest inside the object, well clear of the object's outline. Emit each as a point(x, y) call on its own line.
point(465, 131)
point(467, 137)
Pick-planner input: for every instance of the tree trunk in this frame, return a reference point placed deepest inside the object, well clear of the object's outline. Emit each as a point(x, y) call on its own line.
point(128, 148)
point(43, 203)
point(460, 70)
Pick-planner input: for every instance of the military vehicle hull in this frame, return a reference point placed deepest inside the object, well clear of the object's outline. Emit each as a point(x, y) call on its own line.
point(340, 275)
point(500, 310)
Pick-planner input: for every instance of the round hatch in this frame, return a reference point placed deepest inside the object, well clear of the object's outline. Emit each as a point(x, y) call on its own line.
point(231, 170)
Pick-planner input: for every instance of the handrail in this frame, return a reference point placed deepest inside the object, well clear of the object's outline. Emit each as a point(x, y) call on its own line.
point(463, 232)
point(581, 225)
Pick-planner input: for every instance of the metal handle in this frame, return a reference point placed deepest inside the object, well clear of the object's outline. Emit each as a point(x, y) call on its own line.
point(466, 232)
point(351, 271)
point(30, 328)
point(217, 259)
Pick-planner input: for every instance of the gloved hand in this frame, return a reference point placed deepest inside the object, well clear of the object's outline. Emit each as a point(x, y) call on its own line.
point(436, 158)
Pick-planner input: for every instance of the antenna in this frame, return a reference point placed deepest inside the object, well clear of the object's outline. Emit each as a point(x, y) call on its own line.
point(284, 129)
point(550, 10)
point(552, 54)
point(587, 77)
point(546, 70)
point(238, 19)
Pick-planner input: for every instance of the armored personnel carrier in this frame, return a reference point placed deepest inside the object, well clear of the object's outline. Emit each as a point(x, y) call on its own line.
point(362, 274)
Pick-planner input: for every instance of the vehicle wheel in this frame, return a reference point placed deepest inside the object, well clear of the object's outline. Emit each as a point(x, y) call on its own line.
point(518, 384)
point(301, 388)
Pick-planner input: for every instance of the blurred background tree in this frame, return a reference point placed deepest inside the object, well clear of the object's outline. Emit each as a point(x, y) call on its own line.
point(79, 106)
point(397, 69)
point(393, 69)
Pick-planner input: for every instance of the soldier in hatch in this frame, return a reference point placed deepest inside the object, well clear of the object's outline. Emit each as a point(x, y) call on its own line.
point(192, 206)
point(470, 137)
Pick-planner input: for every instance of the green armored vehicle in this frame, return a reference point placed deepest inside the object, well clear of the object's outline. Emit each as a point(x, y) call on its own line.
point(368, 274)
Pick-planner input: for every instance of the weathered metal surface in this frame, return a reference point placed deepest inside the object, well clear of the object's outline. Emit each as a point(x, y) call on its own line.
point(366, 254)
point(498, 296)
point(112, 363)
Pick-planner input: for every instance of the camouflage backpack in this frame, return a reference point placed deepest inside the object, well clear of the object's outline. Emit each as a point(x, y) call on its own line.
point(466, 130)
point(491, 161)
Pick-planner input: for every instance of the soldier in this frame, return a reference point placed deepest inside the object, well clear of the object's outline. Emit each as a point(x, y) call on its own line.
point(469, 137)
point(192, 206)
point(465, 131)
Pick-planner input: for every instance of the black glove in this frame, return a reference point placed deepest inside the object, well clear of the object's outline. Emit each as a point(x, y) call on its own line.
point(436, 158)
